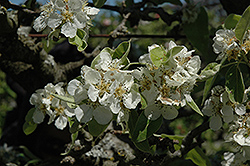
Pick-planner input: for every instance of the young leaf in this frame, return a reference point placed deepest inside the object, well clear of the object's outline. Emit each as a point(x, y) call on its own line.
point(95, 129)
point(99, 3)
point(231, 21)
point(122, 50)
point(29, 115)
point(193, 105)
point(175, 138)
point(79, 40)
point(69, 99)
point(210, 70)
point(243, 24)
point(198, 157)
point(29, 127)
point(97, 58)
point(235, 84)
point(158, 56)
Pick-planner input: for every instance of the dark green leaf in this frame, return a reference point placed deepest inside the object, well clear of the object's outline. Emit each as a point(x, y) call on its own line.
point(95, 128)
point(208, 85)
point(176, 138)
point(234, 84)
point(243, 24)
point(74, 127)
point(197, 32)
point(133, 116)
point(99, 3)
point(198, 157)
point(231, 21)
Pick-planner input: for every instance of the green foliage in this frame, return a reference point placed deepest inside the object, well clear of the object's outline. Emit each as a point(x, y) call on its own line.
point(179, 138)
point(141, 128)
point(95, 128)
point(99, 3)
point(231, 21)
point(198, 157)
point(235, 84)
point(79, 40)
point(197, 31)
point(29, 126)
point(69, 99)
point(243, 24)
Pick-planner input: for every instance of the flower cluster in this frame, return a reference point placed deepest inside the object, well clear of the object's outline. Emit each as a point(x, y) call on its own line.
point(46, 103)
point(226, 43)
point(65, 15)
point(219, 107)
point(103, 91)
point(169, 85)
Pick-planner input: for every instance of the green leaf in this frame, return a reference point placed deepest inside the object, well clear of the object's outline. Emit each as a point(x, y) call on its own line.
point(151, 127)
point(243, 24)
point(208, 85)
point(235, 84)
point(175, 138)
point(79, 40)
point(210, 70)
point(29, 127)
point(28, 117)
point(122, 51)
point(197, 32)
point(69, 99)
point(231, 21)
point(74, 127)
point(193, 105)
point(141, 128)
point(97, 58)
point(172, 52)
point(198, 157)
point(95, 129)
point(158, 55)
point(99, 3)
point(143, 103)
point(133, 116)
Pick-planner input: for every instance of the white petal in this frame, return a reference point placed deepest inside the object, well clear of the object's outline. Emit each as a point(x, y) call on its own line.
point(69, 29)
point(92, 77)
point(73, 85)
point(102, 115)
point(115, 105)
point(215, 123)
point(40, 23)
point(75, 5)
point(38, 116)
point(91, 10)
point(79, 113)
point(240, 109)
point(169, 112)
point(93, 93)
point(132, 99)
point(61, 122)
point(54, 20)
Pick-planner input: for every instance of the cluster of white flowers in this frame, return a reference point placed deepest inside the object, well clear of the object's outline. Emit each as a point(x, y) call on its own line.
point(103, 91)
point(219, 107)
point(170, 85)
point(66, 15)
point(226, 43)
point(46, 103)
